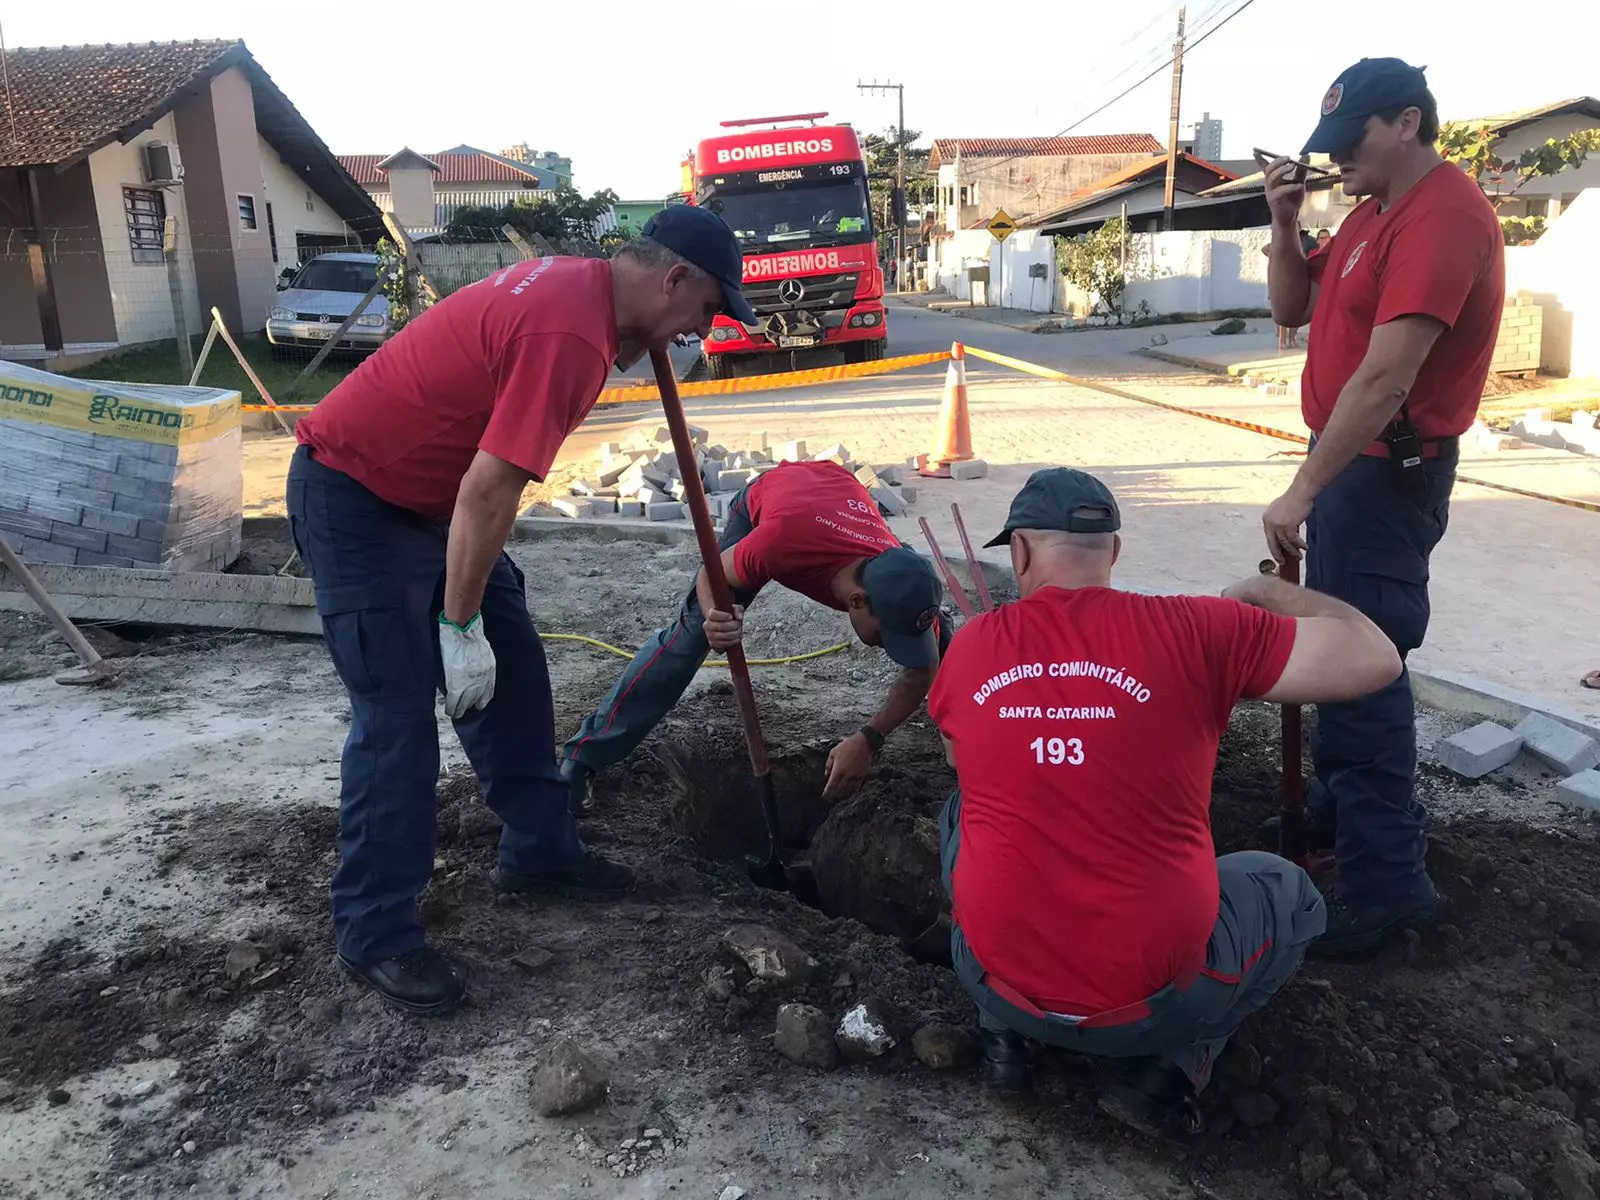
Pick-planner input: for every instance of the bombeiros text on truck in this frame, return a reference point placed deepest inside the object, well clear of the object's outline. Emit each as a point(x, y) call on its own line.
point(795, 194)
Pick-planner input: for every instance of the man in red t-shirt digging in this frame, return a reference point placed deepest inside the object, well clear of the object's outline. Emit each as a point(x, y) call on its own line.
point(1404, 305)
point(813, 528)
point(1089, 908)
point(401, 495)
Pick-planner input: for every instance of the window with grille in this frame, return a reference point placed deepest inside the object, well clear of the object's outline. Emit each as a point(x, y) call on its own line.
point(247, 211)
point(146, 211)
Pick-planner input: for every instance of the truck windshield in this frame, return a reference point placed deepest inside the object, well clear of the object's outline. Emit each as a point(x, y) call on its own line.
point(803, 214)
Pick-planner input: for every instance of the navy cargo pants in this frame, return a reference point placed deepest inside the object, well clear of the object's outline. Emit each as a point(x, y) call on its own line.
point(1268, 912)
point(379, 575)
point(1369, 546)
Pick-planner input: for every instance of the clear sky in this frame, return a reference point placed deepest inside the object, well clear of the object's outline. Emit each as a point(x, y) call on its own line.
point(625, 91)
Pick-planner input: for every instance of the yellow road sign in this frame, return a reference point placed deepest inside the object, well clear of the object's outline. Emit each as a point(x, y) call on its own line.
point(1001, 225)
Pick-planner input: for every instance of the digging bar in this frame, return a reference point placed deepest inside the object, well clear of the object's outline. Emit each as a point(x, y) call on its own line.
point(957, 592)
point(768, 872)
point(985, 601)
point(95, 669)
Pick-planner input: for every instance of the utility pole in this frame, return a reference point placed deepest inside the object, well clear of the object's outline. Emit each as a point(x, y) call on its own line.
point(900, 176)
point(1172, 128)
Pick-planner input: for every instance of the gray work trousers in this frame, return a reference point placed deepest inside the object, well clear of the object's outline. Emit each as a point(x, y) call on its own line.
point(1268, 913)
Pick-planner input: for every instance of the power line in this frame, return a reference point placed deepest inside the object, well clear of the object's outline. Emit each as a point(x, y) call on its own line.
point(989, 166)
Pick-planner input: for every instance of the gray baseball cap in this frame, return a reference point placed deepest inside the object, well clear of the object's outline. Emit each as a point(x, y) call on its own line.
point(1054, 499)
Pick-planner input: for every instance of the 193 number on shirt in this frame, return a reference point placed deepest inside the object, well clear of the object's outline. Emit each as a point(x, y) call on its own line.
point(1057, 751)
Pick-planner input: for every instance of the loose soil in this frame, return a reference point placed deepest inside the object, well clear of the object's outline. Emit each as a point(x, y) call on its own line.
point(176, 981)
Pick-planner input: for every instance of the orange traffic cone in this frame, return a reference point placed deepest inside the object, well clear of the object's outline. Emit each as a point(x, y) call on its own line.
point(954, 442)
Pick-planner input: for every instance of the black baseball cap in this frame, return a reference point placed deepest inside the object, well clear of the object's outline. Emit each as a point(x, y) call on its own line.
point(705, 239)
point(904, 593)
point(1373, 85)
point(1053, 499)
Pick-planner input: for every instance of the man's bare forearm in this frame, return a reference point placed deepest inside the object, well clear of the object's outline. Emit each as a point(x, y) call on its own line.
point(1288, 278)
point(478, 533)
point(1287, 600)
point(906, 695)
point(1360, 415)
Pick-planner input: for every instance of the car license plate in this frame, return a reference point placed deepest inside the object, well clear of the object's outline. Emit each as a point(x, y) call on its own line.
point(796, 341)
point(321, 332)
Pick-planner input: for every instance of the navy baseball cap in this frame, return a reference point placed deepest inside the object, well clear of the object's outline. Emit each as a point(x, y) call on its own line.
point(1373, 85)
point(904, 593)
point(704, 238)
point(1055, 498)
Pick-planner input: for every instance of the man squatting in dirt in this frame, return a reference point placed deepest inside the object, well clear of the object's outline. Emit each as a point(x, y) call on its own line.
point(1404, 305)
point(813, 528)
point(1089, 909)
point(401, 496)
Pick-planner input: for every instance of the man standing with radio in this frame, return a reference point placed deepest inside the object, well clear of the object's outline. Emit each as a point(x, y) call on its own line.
point(1404, 306)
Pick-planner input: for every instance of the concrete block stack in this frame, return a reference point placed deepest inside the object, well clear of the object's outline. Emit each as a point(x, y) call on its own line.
point(641, 477)
point(119, 475)
point(1521, 336)
point(1577, 434)
point(1572, 754)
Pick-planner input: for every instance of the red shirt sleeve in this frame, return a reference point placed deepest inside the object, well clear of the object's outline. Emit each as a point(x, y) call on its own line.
point(755, 558)
point(1429, 267)
point(1246, 648)
point(545, 384)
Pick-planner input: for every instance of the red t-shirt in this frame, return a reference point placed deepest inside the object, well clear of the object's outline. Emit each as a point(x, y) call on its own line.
point(510, 365)
point(812, 520)
point(1085, 725)
point(1439, 253)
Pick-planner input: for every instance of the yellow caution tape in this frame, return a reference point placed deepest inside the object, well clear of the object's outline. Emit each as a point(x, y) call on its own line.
point(719, 662)
point(637, 393)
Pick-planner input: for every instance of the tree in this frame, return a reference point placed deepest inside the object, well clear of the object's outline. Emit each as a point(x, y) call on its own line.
point(1471, 147)
point(561, 216)
point(883, 163)
point(1093, 262)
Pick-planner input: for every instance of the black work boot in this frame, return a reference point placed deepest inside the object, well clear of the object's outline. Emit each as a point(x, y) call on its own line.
point(1156, 1098)
point(1005, 1069)
point(1354, 927)
point(422, 982)
point(588, 875)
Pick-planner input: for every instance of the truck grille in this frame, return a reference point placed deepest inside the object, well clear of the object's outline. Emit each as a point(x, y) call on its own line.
point(821, 291)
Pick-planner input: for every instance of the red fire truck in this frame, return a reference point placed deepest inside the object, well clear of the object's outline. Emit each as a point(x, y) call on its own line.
point(795, 193)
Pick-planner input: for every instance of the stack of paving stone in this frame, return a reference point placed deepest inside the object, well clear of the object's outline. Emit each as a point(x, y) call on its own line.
point(96, 473)
point(1554, 745)
point(641, 476)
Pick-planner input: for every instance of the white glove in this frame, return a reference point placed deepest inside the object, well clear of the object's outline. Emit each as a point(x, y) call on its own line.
point(468, 666)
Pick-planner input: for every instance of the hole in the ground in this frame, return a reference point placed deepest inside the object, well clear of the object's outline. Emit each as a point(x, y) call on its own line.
point(873, 857)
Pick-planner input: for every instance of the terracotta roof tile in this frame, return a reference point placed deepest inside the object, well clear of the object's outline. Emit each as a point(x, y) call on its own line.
point(945, 149)
point(453, 168)
point(66, 101)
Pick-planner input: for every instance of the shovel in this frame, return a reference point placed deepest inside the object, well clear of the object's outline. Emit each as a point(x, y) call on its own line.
point(768, 872)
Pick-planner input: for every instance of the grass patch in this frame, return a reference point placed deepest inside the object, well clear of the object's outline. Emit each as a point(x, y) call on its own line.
point(158, 363)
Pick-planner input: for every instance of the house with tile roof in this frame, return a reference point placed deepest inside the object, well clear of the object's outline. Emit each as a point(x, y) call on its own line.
point(1544, 196)
point(424, 191)
point(1138, 189)
point(140, 181)
point(1027, 176)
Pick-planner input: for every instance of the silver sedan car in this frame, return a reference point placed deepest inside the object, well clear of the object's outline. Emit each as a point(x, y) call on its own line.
point(309, 311)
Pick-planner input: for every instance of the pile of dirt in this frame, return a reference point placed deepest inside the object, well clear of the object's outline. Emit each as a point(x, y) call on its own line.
point(1457, 1064)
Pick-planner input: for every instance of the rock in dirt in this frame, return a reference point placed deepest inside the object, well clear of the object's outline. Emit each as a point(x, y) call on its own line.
point(732, 1192)
point(1507, 1188)
point(874, 864)
point(769, 955)
point(533, 960)
point(1255, 1110)
point(1442, 1120)
point(1573, 1171)
point(719, 983)
point(568, 1082)
point(805, 1036)
point(8, 1091)
point(56, 1097)
point(864, 1032)
point(243, 957)
point(939, 1046)
point(1231, 325)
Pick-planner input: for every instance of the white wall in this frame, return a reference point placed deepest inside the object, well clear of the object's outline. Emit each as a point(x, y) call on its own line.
point(140, 298)
point(1008, 267)
point(292, 211)
point(1198, 270)
point(1567, 183)
point(1562, 271)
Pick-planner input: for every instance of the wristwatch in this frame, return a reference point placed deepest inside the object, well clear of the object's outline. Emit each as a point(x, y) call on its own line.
point(874, 738)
